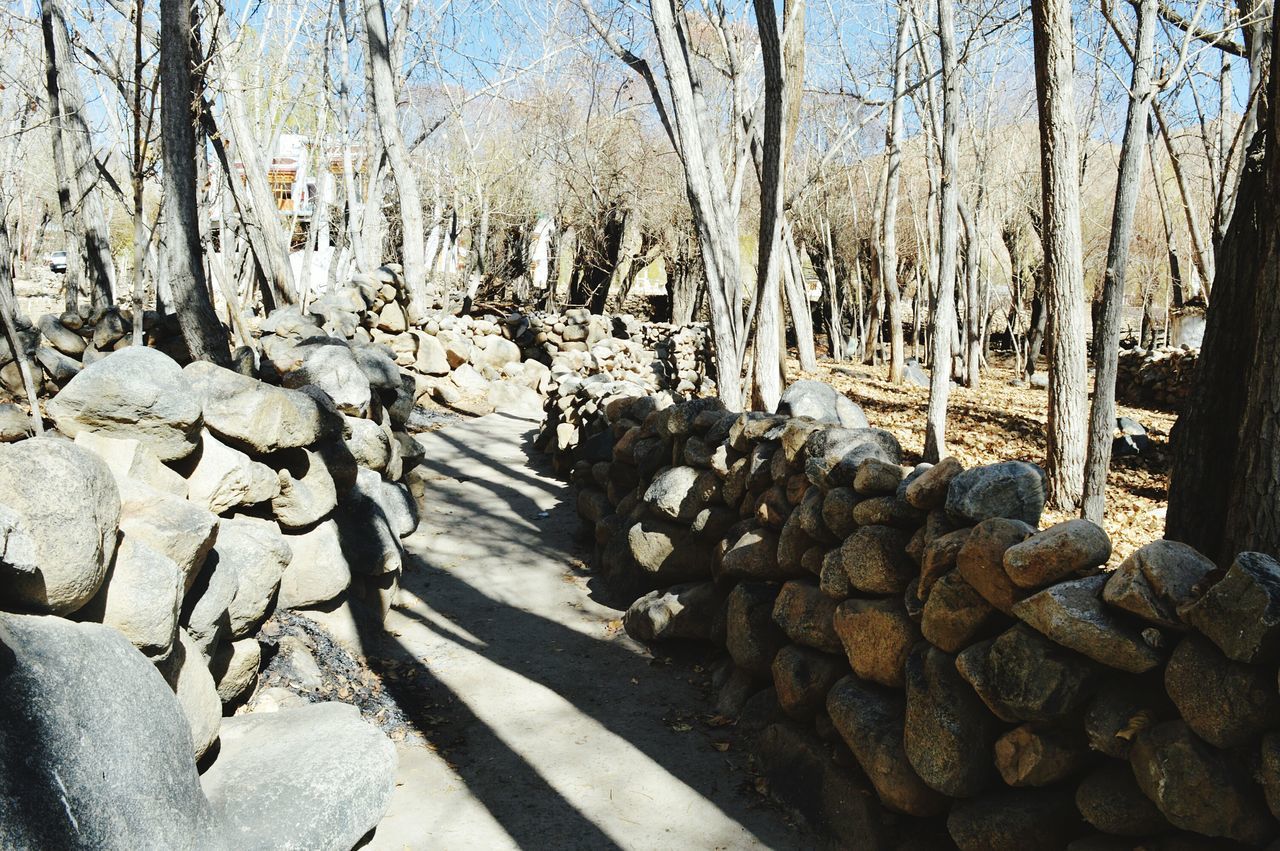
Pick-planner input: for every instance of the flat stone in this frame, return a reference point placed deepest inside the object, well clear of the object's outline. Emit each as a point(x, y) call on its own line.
point(180, 529)
point(130, 459)
point(140, 596)
point(257, 415)
point(317, 776)
point(317, 570)
point(136, 393)
point(1072, 614)
point(223, 478)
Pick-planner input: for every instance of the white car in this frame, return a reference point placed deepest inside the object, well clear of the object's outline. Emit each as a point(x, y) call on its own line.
point(58, 261)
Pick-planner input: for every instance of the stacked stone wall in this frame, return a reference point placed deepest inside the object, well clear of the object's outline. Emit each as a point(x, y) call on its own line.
point(1159, 378)
point(912, 658)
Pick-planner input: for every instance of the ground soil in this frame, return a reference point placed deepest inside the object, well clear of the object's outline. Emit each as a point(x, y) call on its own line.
point(997, 421)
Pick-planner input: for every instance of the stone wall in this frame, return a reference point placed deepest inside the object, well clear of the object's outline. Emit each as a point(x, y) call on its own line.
point(1159, 378)
point(143, 543)
point(911, 658)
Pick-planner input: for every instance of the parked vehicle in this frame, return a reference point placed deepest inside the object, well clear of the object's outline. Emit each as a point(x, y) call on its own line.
point(58, 261)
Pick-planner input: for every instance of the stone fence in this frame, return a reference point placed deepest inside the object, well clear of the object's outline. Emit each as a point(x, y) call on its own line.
point(1159, 378)
point(912, 659)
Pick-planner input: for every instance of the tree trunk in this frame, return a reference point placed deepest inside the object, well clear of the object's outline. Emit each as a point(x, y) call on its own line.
point(1063, 265)
point(84, 181)
point(1220, 499)
point(8, 312)
point(944, 313)
point(889, 234)
point(971, 345)
point(1106, 338)
point(382, 92)
point(183, 268)
point(72, 228)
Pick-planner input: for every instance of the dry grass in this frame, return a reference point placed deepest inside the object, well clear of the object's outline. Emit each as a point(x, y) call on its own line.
point(999, 422)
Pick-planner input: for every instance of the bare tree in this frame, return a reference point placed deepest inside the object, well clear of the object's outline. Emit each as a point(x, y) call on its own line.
point(1063, 262)
point(944, 311)
point(182, 251)
point(1106, 338)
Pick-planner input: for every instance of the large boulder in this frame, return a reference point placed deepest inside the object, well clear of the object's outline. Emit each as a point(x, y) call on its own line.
point(315, 777)
point(138, 393)
point(259, 416)
point(330, 365)
point(1226, 703)
point(95, 749)
point(822, 402)
point(1059, 551)
point(1010, 489)
point(1155, 580)
point(949, 734)
point(62, 502)
point(257, 554)
point(877, 636)
point(681, 611)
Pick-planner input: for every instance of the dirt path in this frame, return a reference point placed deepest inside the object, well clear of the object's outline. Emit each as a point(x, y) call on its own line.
point(546, 723)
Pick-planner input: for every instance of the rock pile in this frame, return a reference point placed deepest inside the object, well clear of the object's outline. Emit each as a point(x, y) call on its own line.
point(180, 507)
point(59, 346)
point(1159, 378)
point(915, 660)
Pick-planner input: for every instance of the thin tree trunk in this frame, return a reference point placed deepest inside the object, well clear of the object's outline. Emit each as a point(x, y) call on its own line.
point(971, 345)
point(1106, 340)
point(889, 235)
point(383, 95)
point(1063, 264)
point(72, 228)
point(183, 268)
point(944, 314)
point(8, 312)
point(767, 387)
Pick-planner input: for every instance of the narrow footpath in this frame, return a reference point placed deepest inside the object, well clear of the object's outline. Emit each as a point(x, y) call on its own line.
point(547, 727)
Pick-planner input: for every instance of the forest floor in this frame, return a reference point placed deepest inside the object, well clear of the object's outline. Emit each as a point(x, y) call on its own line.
point(1000, 422)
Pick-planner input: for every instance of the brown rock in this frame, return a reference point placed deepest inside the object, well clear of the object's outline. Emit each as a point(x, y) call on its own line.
point(875, 560)
point(837, 512)
point(955, 614)
point(876, 478)
point(981, 560)
point(802, 677)
point(929, 489)
point(806, 614)
point(754, 555)
point(1241, 612)
point(888, 511)
point(877, 637)
point(1014, 820)
point(1059, 551)
point(1034, 755)
point(1023, 675)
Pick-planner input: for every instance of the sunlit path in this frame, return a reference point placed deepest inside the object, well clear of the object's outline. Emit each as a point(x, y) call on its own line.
point(553, 733)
